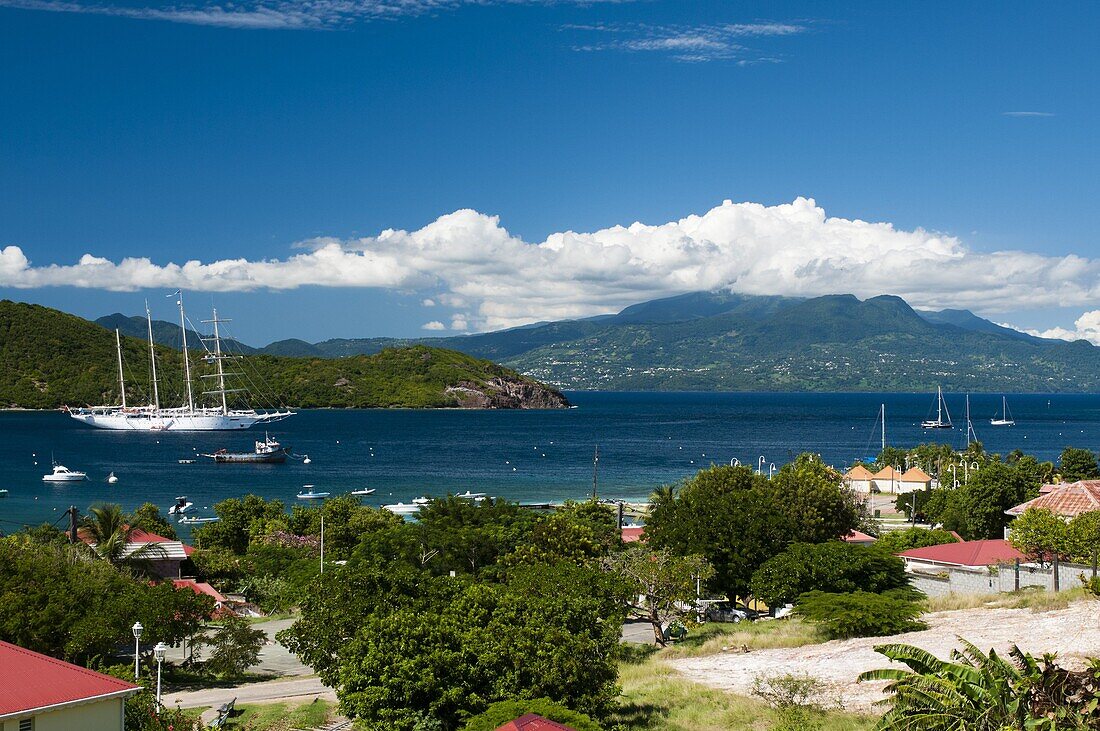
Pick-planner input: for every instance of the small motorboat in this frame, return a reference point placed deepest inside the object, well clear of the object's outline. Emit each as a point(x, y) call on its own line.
point(112, 478)
point(308, 493)
point(403, 508)
point(421, 500)
point(364, 491)
point(3, 492)
point(182, 506)
point(61, 473)
point(186, 461)
point(477, 497)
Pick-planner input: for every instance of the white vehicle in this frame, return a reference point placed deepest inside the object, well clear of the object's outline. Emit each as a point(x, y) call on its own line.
point(182, 506)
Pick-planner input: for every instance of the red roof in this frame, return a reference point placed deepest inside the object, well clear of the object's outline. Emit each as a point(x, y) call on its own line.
point(1069, 500)
point(534, 722)
point(633, 533)
point(967, 553)
point(199, 587)
point(33, 681)
point(137, 535)
point(857, 536)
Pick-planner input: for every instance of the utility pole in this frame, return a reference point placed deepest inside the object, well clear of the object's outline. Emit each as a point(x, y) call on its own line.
point(72, 524)
point(595, 472)
point(322, 543)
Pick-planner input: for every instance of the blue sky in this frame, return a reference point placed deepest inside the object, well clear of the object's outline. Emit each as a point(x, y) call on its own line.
point(255, 132)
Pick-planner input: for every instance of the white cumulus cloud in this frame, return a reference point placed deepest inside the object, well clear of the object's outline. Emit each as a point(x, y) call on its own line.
point(1085, 327)
point(433, 325)
point(468, 262)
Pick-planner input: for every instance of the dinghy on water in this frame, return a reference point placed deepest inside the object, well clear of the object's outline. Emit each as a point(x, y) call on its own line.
point(182, 506)
point(364, 491)
point(477, 497)
point(308, 493)
point(197, 521)
point(112, 478)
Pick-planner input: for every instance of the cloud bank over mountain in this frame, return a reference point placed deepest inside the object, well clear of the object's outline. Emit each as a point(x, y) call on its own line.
point(469, 262)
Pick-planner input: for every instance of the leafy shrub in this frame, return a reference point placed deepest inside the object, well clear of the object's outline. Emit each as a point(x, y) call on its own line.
point(896, 541)
point(831, 567)
point(859, 614)
point(794, 698)
point(235, 647)
point(502, 712)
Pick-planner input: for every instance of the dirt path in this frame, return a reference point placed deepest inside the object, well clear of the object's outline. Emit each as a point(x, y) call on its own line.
point(1073, 632)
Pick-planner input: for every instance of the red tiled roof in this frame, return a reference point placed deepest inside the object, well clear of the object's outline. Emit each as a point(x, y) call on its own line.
point(137, 536)
point(633, 533)
point(199, 587)
point(534, 722)
point(915, 474)
point(859, 472)
point(34, 681)
point(1069, 500)
point(967, 553)
point(856, 536)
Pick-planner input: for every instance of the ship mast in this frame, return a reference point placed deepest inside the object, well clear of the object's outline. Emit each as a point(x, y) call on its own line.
point(218, 356)
point(186, 359)
point(121, 378)
point(152, 356)
point(884, 427)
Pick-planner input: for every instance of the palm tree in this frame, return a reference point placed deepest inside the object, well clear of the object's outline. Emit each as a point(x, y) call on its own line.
point(111, 534)
point(977, 691)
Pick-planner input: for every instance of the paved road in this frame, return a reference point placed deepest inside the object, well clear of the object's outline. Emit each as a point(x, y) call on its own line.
point(638, 632)
point(299, 689)
point(274, 658)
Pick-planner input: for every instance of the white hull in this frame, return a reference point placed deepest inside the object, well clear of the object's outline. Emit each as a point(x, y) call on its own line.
point(72, 477)
point(147, 420)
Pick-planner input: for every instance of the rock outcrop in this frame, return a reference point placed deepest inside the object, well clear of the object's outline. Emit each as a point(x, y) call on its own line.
point(507, 393)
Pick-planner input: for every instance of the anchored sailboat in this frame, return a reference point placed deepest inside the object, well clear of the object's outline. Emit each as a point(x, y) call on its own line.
point(187, 417)
point(1006, 415)
point(941, 409)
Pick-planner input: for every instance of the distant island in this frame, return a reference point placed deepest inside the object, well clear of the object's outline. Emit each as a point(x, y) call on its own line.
point(50, 358)
point(718, 341)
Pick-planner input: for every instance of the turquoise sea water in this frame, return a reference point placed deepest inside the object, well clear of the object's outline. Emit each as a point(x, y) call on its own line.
point(645, 439)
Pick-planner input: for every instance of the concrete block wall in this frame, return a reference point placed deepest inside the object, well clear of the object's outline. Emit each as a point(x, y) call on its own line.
point(943, 580)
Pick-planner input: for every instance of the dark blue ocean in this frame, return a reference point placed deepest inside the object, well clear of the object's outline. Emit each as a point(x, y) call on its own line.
point(645, 440)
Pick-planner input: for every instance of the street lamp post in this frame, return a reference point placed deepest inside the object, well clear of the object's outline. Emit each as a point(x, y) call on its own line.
point(760, 464)
point(158, 653)
point(138, 629)
point(734, 462)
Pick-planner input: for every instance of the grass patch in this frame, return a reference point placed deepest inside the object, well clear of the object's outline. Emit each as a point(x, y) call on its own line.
point(1034, 598)
point(711, 638)
point(655, 698)
point(281, 716)
point(180, 678)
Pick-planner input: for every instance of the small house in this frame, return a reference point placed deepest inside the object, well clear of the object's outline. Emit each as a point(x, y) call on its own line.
point(914, 479)
point(859, 478)
point(534, 722)
point(41, 693)
point(1067, 500)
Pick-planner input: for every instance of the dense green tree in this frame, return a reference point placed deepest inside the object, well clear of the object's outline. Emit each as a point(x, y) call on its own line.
point(1078, 464)
point(860, 613)
point(1083, 537)
point(405, 647)
point(1040, 534)
point(577, 532)
point(664, 583)
point(148, 518)
point(977, 509)
point(834, 566)
point(241, 520)
point(501, 712)
point(896, 541)
point(234, 646)
point(346, 521)
point(61, 601)
point(738, 520)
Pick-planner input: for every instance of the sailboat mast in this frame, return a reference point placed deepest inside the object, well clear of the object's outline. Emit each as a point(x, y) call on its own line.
point(939, 404)
point(884, 427)
point(186, 359)
point(152, 356)
point(218, 359)
point(121, 377)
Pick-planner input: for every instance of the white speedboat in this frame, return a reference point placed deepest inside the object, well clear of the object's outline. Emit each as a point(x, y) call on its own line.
point(61, 473)
point(477, 497)
point(112, 478)
point(308, 493)
point(364, 491)
point(403, 508)
point(182, 506)
point(3, 492)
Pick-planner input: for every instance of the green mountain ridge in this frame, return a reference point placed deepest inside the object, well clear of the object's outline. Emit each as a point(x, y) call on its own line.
point(49, 358)
point(724, 341)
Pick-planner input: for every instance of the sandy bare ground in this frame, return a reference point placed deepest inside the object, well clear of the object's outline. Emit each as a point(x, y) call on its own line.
point(1073, 632)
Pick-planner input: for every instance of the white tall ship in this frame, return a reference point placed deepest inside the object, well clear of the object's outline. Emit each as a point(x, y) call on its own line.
point(186, 417)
